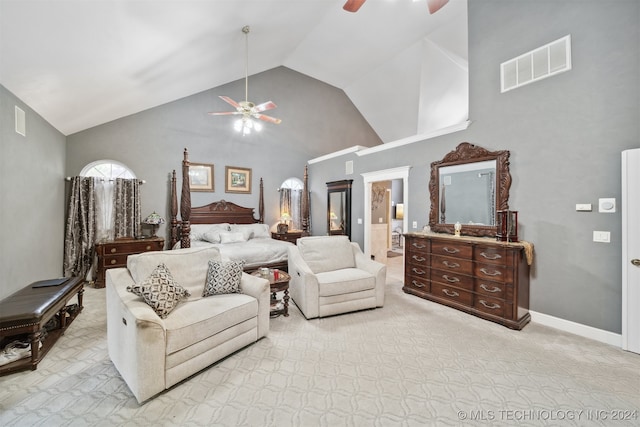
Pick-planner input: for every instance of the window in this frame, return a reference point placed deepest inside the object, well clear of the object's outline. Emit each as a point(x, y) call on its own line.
point(107, 170)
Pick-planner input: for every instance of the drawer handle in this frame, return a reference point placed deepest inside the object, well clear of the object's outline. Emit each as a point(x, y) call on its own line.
point(418, 245)
point(490, 256)
point(113, 250)
point(486, 288)
point(450, 250)
point(451, 264)
point(449, 293)
point(113, 261)
point(417, 271)
point(417, 284)
point(450, 279)
point(149, 247)
point(491, 273)
point(492, 306)
point(418, 258)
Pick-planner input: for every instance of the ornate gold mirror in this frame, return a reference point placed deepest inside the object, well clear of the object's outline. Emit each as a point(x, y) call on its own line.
point(468, 186)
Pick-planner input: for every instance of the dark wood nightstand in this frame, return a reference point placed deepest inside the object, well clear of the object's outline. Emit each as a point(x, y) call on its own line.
point(290, 236)
point(114, 253)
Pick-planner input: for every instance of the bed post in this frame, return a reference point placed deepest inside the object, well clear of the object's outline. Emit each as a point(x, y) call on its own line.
point(306, 226)
point(261, 203)
point(185, 204)
point(174, 211)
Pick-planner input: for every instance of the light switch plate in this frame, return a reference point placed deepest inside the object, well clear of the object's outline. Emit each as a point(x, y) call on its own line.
point(607, 205)
point(415, 224)
point(602, 236)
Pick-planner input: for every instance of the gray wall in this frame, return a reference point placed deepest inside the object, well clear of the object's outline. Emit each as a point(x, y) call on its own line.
point(565, 134)
point(316, 119)
point(32, 198)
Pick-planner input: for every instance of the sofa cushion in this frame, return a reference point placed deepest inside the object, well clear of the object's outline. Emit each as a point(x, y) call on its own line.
point(223, 277)
point(197, 320)
point(160, 291)
point(188, 266)
point(326, 253)
point(345, 281)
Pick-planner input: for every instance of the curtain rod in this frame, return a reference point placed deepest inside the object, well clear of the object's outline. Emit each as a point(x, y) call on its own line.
point(142, 181)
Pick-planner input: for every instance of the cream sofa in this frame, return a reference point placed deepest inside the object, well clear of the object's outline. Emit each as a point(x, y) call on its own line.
point(153, 354)
point(330, 275)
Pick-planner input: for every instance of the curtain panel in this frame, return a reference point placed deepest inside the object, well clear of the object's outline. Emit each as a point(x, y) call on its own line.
point(126, 207)
point(79, 241)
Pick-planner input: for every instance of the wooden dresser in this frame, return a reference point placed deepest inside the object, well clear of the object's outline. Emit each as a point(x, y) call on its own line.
point(114, 253)
point(480, 276)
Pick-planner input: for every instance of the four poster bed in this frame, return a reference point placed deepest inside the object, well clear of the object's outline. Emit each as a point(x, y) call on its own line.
point(233, 229)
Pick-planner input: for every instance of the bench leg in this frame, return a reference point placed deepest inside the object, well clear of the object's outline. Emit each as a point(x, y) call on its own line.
point(35, 349)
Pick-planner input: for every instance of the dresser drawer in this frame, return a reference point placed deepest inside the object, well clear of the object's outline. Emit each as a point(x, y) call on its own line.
point(452, 279)
point(464, 266)
point(129, 248)
point(451, 293)
point(418, 271)
point(490, 255)
point(489, 305)
point(417, 258)
point(417, 283)
point(493, 272)
point(451, 248)
point(490, 289)
point(114, 260)
point(415, 245)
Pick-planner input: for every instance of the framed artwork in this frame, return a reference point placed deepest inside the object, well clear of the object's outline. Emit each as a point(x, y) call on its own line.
point(283, 228)
point(201, 177)
point(238, 180)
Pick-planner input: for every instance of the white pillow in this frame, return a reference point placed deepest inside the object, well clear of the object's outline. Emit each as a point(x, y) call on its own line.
point(233, 237)
point(199, 231)
point(256, 230)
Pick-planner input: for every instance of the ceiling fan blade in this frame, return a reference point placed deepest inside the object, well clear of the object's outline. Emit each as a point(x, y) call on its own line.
point(353, 5)
point(268, 119)
point(435, 5)
point(224, 113)
point(264, 107)
point(230, 101)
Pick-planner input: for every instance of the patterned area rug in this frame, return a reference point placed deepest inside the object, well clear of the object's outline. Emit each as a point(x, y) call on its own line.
point(410, 363)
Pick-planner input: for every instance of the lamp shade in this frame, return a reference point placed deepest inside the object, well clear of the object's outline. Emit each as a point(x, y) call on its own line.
point(154, 219)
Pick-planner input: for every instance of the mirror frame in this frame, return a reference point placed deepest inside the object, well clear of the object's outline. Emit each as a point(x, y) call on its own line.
point(344, 187)
point(470, 153)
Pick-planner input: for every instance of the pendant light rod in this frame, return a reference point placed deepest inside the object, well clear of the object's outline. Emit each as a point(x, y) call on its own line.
point(246, 30)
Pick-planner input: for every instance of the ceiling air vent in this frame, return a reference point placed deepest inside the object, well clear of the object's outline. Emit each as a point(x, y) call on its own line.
point(538, 64)
point(21, 126)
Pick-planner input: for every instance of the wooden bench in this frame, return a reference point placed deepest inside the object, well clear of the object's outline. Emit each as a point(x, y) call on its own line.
point(25, 313)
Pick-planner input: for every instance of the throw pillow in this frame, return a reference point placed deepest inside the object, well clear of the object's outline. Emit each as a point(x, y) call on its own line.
point(236, 237)
point(223, 277)
point(160, 291)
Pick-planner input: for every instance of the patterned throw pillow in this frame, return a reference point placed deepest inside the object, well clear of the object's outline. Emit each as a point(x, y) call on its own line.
point(223, 277)
point(160, 291)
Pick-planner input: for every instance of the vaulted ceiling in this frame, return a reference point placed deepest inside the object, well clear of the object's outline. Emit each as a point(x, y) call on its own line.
point(82, 63)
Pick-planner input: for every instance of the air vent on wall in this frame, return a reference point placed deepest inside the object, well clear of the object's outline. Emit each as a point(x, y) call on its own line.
point(21, 126)
point(538, 64)
point(348, 167)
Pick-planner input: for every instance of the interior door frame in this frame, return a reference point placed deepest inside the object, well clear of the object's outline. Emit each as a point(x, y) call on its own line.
point(384, 175)
point(630, 250)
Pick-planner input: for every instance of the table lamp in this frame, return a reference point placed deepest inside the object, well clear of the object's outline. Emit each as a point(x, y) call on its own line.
point(154, 220)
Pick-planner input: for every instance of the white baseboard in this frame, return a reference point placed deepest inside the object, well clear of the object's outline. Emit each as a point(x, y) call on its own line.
point(577, 328)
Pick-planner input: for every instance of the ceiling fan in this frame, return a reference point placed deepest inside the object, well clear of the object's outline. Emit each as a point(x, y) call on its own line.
point(246, 108)
point(434, 5)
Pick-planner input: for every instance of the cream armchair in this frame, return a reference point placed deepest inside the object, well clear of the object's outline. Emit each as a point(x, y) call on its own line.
point(151, 353)
point(330, 275)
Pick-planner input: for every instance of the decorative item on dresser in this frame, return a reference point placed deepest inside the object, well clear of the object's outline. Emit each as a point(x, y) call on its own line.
point(480, 276)
point(114, 253)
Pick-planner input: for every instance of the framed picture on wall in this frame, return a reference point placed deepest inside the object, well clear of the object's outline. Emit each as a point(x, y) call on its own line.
point(238, 180)
point(201, 177)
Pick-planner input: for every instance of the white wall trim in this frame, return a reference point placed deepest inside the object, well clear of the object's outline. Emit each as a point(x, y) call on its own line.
point(577, 328)
point(355, 148)
point(384, 175)
point(415, 138)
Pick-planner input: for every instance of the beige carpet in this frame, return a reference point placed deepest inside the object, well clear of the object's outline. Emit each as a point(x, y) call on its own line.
point(411, 363)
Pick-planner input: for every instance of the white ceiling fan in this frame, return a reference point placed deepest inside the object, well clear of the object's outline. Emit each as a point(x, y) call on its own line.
point(434, 5)
point(246, 108)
